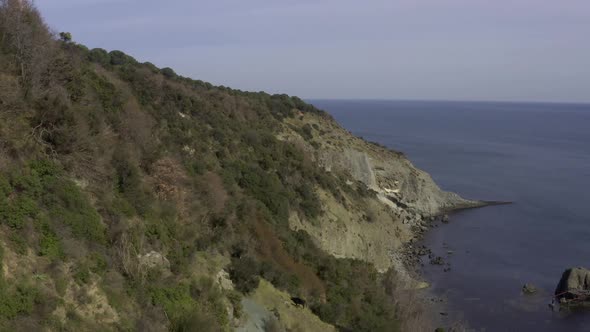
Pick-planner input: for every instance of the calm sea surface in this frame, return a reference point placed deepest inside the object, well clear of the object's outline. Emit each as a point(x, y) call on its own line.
point(536, 155)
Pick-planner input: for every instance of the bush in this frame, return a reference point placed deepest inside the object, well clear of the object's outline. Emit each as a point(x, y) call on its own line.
point(191, 307)
point(119, 58)
point(267, 188)
point(244, 274)
point(19, 301)
point(69, 206)
point(129, 183)
point(168, 72)
point(100, 56)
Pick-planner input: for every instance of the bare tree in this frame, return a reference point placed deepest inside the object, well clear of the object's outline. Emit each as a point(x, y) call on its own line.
point(24, 34)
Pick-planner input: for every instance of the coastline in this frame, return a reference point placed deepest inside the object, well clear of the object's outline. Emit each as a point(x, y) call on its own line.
point(415, 254)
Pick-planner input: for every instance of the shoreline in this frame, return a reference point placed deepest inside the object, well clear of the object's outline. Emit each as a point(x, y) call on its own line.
point(415, 254)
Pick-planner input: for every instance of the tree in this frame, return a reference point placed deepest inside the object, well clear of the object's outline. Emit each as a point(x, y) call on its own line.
point(119, 58)
point(100, 56)
point(66, 37)
point(24, 35)
point(168, 72)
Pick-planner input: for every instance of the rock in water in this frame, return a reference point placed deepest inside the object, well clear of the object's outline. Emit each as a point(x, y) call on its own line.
point(529, 289)
point(574, 284)
point(445, 219)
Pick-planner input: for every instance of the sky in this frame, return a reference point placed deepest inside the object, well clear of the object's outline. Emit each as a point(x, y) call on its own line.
point(496, 50)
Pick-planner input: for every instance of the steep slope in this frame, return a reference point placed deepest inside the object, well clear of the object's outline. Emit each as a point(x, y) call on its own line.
point(132, 198)
point(400, 197)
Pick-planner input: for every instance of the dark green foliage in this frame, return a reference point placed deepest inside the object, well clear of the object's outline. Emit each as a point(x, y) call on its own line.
point(16, 300)
point(310, 204)
point(119, 58)
point(244, 273)
point(306, 132)
point(355, 297)
point(15, 212)
point(110, 98)
point(100, 56)
point(194, 306)
point(41, 184)
point(129, 183)
point(5, 187)
point(265, 187)
point(49, 242)
point(67, 205)
point(95, 263)
point(65, 37)
point(152, 68)
point(19, 243)
point(168, 72)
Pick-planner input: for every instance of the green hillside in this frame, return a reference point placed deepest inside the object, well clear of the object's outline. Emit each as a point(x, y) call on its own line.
point(126, 188)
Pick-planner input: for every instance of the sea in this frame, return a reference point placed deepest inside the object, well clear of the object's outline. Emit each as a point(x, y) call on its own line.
point(536, 155)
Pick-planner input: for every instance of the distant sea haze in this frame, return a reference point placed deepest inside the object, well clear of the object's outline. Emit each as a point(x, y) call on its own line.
point(534, 154)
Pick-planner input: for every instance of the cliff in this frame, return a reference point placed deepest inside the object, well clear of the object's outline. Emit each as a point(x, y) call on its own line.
point(402, 196)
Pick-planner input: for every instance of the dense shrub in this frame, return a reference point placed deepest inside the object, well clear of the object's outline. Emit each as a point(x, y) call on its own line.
point(119, 58)
point(16, 300)
point(66, 204)
point(100, 56)
point(194, 306)
point(168, 72)
point(244, 272)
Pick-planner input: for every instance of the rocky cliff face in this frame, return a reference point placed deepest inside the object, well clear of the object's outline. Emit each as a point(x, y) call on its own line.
point(404, 198)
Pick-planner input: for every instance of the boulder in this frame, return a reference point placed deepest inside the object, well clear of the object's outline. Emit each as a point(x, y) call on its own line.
point(224, 281)
point(422, 285)
point(574, 284)
point(529, 289)
point(437, 260)
point(445, 219)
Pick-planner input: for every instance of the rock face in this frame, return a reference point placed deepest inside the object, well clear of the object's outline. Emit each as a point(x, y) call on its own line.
point(574, 283)
point(529, 289)
point(405, 199)
point(154, 259)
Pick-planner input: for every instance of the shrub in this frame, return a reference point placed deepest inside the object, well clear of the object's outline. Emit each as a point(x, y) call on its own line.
point(69, 206)
point(119, 58)
point(19, 301)
point(49, 244)
point(310, 202)
point(15, 213)
point(244, 273)
point(129, 183)
point(191, 307)
point(100, 56)
point(168, 72)
point(19, 243)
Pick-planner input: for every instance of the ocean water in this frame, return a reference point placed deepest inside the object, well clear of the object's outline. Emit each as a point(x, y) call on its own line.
point(535, 155)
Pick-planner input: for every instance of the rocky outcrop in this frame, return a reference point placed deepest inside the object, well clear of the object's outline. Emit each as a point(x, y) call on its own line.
point(405, 202)
point(154, 260)
point(529, 289)
point(574, 285)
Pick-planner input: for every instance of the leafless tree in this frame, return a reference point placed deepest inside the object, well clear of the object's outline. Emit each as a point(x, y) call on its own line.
point(24, 34)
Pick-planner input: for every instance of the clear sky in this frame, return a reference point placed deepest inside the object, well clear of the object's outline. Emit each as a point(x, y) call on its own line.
point(527, 50)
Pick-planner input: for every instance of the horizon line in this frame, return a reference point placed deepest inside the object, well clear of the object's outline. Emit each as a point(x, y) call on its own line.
point(455, 100)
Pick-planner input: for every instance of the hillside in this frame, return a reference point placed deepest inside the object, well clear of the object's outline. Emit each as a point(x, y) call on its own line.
point(132, 198)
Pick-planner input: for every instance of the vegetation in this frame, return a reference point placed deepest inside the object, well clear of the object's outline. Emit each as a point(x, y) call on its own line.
point(104, 160)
